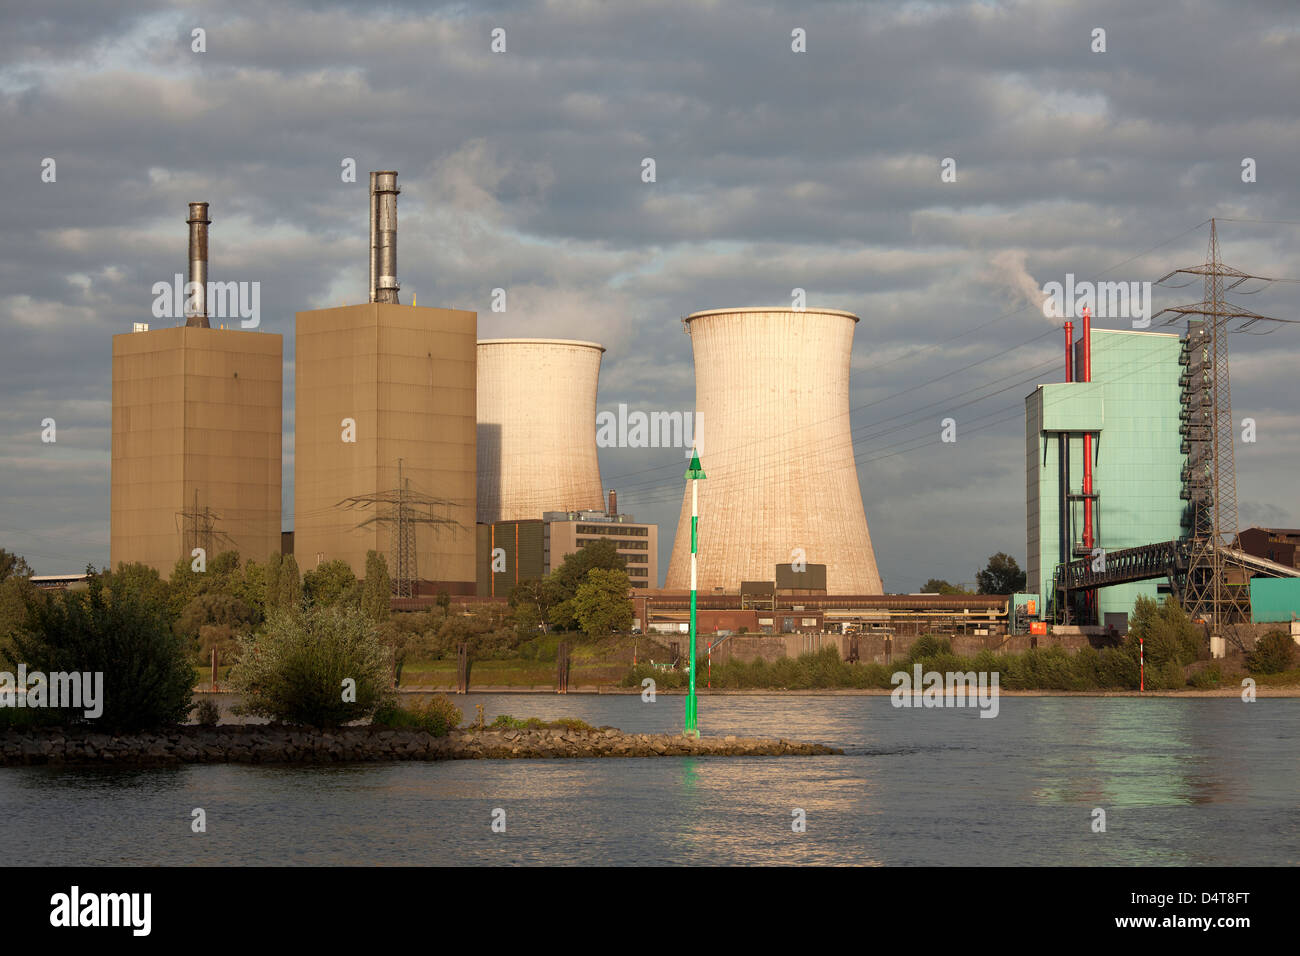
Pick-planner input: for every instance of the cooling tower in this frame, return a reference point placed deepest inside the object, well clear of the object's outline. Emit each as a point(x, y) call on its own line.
point(772, 402)
point(537, 428)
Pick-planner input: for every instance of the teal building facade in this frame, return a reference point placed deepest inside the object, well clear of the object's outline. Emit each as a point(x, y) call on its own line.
point(1131, 407)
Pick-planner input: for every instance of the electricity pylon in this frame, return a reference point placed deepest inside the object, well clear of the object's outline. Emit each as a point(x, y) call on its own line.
point(402, 509)
point(1210, 477)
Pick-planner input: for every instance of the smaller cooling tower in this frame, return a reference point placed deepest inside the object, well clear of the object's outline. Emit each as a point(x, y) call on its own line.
point(537, 428)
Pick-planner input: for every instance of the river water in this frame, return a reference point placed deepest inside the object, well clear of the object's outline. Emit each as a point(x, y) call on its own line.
point(1182, 782)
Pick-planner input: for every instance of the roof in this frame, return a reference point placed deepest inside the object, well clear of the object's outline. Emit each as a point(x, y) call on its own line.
point(771, 308)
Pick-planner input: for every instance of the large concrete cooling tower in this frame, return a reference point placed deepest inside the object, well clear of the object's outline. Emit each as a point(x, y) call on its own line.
point(772, 399)
point(537, 428)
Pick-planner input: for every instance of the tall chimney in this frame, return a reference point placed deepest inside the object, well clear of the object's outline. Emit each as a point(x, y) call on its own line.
point(374, 245)
point(196, 316)
point(613, 501)
point(383, 213)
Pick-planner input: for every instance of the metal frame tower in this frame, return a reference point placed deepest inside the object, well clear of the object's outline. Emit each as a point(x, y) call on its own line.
point(405, 510)
point(1210, 475)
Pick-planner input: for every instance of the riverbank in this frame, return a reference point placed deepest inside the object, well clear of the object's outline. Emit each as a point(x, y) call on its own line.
point(267, 744)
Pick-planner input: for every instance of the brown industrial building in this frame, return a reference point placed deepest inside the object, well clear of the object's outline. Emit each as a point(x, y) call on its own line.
point(405, 378)
point(777, 611)
point(1280, 545)
point(196, 444)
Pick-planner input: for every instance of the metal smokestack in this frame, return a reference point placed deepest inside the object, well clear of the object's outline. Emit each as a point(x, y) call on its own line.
point(374, 247)
point(383, 225)
point(196, 316)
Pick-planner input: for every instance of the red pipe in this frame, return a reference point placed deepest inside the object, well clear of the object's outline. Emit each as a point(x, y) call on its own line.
point(1087, 436)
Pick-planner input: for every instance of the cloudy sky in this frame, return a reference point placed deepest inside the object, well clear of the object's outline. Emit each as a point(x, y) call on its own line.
point(775, 169)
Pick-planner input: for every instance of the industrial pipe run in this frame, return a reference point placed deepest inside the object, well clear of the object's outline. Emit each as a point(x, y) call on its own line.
point(1087, 436)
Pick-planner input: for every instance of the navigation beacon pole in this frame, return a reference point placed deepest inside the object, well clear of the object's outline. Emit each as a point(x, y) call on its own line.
point(694, 474)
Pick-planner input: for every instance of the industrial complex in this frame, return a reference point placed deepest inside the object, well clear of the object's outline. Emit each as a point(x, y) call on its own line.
point(472, 465)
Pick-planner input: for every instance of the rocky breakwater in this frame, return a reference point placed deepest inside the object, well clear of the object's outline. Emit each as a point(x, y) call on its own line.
point(269, 744)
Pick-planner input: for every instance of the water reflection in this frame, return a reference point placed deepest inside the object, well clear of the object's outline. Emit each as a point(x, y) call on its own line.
point(1183, 781)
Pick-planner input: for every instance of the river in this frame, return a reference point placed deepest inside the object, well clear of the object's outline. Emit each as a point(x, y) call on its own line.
point(1182, 782)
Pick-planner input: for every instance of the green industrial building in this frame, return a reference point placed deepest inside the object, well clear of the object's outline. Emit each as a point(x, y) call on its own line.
point(1130, 407)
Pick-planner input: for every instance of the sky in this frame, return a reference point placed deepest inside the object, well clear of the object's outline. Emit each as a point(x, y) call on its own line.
point(820, 169)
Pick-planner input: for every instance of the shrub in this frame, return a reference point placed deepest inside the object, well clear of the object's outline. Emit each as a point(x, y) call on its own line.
point(206, 713)
point(1273, 653)
point(296, 670)
point(1168, 632)
point(1207, 678)
point(437, 716)
point(927, 645)
point(120, 632)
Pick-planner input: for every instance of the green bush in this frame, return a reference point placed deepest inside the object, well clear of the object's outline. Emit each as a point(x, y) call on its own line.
point(121, 632)
point(927, 645)
point(437, 716)
point(1274, 652)
point(295, 670)
point(1207, 678)
point(206, 713)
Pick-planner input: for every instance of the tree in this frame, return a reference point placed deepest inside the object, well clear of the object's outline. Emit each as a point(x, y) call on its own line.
point(213, 619)
point(332, 583)
point(377, 590)
point(561, 585)
point(323, 667)
point(273, 565)
point(601, 603)
point(1001, 576)
point(13, 566)
point(140, 579)
point(123, 634)
point(940, 586)
point(290, 585)
point(1273, 653)
point(16, 590)
point(1168, 634)
point(601, 554)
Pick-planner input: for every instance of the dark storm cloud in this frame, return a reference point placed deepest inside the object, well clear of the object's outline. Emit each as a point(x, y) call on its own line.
point(775, 170)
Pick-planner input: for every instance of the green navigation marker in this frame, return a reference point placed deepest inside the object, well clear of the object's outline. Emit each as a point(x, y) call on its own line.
point(693, 474)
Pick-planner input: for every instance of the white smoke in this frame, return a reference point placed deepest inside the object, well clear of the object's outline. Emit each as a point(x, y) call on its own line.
point(1008, 269)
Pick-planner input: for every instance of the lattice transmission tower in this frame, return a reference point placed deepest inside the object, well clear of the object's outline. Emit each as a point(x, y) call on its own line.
point(200, 530)
point(1210, 476)
point(403, 510)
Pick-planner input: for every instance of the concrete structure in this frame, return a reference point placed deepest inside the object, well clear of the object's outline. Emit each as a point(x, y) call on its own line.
point(1132, 405)
point(405, 377)
point(513, 551)
point(637, 543)
point(772, 406)
point(196, 433)
point(536, 428)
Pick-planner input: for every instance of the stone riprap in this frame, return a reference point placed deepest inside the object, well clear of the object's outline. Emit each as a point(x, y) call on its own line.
point(273, 744)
